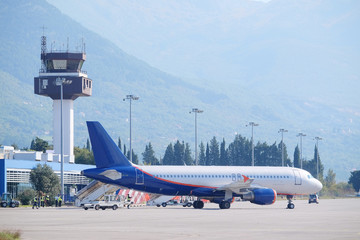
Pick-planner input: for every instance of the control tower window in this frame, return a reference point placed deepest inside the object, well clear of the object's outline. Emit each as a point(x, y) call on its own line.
point(59, 64)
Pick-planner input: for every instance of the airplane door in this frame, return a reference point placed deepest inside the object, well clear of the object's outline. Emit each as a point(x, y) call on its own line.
point(139, 177)
point(297, 176)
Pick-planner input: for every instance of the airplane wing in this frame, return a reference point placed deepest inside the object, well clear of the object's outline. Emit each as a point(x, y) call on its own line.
point(239, 186)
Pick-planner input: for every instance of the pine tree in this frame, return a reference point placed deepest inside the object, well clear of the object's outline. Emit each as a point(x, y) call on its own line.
point(207, 155)
point(188, 160)
point(224, 160)
point(179, 150)
point(119, 143)
point(169, 155)
point(149, 156)
point(297, 157)
point(202, 157)
point(88, 145)
point(214, 152)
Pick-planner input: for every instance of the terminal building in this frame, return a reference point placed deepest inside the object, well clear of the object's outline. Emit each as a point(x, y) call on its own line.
point(15, 168)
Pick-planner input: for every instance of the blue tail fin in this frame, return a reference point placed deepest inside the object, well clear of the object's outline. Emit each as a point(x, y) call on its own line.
point(106, 152)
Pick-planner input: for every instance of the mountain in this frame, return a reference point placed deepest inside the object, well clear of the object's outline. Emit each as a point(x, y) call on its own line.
point(266, 68)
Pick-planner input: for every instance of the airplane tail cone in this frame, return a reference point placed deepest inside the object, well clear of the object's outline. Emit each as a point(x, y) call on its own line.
point(106, 152)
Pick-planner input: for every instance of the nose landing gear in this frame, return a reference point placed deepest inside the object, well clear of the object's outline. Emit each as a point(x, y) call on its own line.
point(290, 203)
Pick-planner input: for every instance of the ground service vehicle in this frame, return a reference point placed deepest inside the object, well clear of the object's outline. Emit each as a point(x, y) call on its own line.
point(174, 202)
point(6, 200)
point(313, 198)
point(110, 201)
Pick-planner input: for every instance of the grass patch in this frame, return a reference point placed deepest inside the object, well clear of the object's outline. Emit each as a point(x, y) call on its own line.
point(9, 235)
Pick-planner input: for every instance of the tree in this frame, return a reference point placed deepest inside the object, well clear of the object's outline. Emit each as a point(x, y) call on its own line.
point(169, 155)
point(135, 158)
point(297, 157)
point(88, 146)
point(43, 179)
point(26, 196)
point(39, 145)
point(202, 157)
point(214, 156)
point(223, 154)
point(188, 160)
point(119, 143)
point(179, 150)
point(149, 156)
point(84, 156)
point(355, 180)
point(207, 155)
point(330, 178)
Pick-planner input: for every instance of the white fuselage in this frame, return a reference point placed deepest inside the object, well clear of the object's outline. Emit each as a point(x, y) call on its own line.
point(285, 180)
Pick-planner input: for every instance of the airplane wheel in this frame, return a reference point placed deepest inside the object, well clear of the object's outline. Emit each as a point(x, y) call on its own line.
point(224, 205)
point(198, 204)
point(290, 206)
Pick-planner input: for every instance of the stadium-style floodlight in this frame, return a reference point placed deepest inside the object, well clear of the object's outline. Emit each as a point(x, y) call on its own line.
point(252, 124)
point(130, 98)
point(282, 145)
point(301, 158)
point(60, 81)
point(317, 156)
point(196, 111)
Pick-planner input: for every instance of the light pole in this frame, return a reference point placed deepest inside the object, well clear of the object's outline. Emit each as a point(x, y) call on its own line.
point(317, 156)
point(282, 145)
point(196, 111)
point(60, 82)
point(130, 98)
point(252, 124)
point(301, 159)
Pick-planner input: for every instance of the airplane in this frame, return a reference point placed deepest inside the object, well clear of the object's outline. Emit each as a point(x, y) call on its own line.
point(219, 184)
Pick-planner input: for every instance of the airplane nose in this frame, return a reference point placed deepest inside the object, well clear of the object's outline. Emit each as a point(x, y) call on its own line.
point(318, 185)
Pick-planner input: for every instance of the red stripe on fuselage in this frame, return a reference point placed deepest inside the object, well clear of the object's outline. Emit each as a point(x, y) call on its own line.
point(178, 183)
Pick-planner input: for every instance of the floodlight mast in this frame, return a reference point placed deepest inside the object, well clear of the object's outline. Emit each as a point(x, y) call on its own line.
point(301, 158)
point(252, 124)
point(282, 145)
point(130, 98)
point(317, 156)
point(196, 111)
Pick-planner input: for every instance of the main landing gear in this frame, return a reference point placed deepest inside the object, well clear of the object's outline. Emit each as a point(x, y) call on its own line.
point(198, 204)
point(224, 205)
point(290, 203)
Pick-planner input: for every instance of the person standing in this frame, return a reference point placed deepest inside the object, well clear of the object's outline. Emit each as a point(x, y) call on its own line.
point(60, 201)
point(42, 200)
point(47, 199)
point(35, 203)
point(56, 201)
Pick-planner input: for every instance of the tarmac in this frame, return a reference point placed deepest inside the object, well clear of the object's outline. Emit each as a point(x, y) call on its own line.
point(330, 219)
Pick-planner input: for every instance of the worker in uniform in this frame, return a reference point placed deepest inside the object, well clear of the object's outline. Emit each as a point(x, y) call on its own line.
point(35, 204)
point(56, 201)
point(47, 199)
point(60, 201)
point(128, 200)
point(42, 201)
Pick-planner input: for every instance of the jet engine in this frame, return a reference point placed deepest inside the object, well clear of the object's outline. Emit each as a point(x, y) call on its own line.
point(261, 196)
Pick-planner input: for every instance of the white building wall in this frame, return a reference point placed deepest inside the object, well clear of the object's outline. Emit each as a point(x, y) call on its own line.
point(68, 129)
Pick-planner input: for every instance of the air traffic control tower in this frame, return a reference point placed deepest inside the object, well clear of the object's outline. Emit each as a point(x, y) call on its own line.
point(62, 68)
